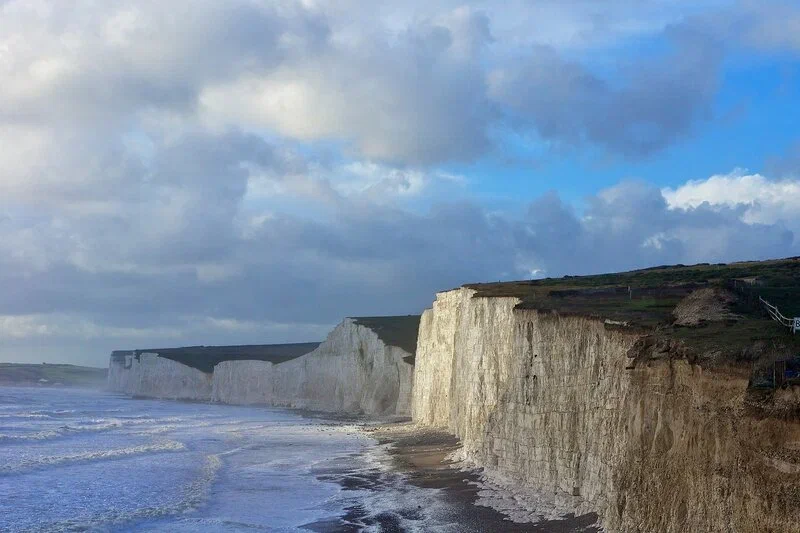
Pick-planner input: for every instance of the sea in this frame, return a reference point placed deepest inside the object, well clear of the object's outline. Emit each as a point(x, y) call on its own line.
point(78, 460)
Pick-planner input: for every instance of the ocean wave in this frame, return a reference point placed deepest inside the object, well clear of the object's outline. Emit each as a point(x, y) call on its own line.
point(55, 412)
point(158, 430)
point(194, 494)
point(38, 435)
point(27, 464)
point(379, 498)
point(87, 426)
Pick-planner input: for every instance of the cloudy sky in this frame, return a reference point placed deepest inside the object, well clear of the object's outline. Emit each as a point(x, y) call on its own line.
point(203, 172)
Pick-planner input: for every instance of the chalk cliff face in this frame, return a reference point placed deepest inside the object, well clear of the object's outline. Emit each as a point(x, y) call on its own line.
point(353, 371)
point(548, 403)
point(356, 370)
point(156, 377)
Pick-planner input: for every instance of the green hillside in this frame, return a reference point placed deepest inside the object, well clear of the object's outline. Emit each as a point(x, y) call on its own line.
point(52, 375)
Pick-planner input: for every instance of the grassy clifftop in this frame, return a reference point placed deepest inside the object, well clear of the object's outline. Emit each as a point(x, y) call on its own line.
point(649, 299)
point(52, 375)
point(400, 331)
point(204, 358)
point(654, 291)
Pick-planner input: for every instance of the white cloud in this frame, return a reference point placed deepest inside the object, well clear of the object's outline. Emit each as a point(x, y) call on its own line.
point(415, 96)
point(67, 327)
point(764, 201)
point(74, 327)
point(267, 329)
point(265, 276)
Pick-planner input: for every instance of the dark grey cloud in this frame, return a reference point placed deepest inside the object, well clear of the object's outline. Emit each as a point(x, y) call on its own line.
point(386, 84)
point(102, 64)
point(649, 104)
point(160, 183)
point(306, 272)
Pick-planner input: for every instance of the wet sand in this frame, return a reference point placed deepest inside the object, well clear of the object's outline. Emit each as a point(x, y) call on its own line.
point(419, 457)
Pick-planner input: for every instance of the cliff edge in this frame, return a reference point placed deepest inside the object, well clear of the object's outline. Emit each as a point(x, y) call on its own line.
point(586, 395)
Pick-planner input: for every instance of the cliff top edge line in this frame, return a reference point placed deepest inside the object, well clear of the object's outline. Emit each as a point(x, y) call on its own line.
point(704, 308)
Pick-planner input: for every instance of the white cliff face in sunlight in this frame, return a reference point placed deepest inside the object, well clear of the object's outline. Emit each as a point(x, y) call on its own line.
point(353, 371)
point(552, 411)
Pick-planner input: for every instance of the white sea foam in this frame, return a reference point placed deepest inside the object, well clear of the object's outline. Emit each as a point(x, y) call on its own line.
point(168, 428)
point(193, 495)
point(88, 425)
point(99, 462)
point(28, 463)
point(38, 435)
point(57, 412)
point(388, 501)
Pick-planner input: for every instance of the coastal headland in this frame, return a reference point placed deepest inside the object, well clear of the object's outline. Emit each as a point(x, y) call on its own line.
point(663, 399)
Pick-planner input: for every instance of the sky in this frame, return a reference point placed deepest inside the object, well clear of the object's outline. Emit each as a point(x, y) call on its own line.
point(180, 172)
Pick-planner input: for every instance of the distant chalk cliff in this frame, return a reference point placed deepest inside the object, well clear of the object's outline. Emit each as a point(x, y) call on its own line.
point(365, 366)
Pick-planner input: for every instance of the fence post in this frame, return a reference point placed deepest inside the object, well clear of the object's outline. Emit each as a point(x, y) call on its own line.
point(780, 373)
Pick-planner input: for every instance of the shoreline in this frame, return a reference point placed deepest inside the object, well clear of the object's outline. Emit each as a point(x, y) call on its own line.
point(421, 455)
point(416, 458)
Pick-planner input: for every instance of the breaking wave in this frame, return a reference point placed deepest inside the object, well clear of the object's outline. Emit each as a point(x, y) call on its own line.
point(30, 463)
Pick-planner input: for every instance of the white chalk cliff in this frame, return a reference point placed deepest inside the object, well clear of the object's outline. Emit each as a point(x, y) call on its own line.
point(353, 371)
point(151, 376)
point(548, 404)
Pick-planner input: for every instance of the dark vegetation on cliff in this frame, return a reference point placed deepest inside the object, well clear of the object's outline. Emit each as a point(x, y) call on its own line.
point(52, 375)
point(710, 313)
point(400, 331)
point(205, 358)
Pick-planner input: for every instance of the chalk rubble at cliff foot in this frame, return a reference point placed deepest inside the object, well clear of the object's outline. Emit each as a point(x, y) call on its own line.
point(151, 376)
point(553, 411)
point(353, 371)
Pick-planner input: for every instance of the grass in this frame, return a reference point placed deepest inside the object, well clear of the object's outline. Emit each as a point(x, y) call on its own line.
point(400, 331)
point(205, 358)
point(646, 298)
point(62, 375)
point(740, 341)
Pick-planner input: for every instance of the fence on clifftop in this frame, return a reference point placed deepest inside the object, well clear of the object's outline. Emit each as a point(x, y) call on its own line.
point(775, 314)
point(749, 290)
